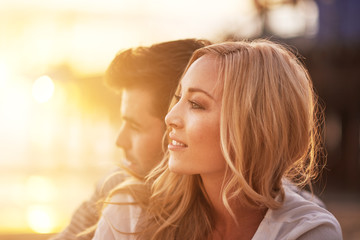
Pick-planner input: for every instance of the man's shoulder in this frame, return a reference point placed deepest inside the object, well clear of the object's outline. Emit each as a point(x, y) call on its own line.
point(110, 181)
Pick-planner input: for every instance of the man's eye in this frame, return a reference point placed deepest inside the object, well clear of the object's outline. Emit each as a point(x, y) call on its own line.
point(129, 125)
point(134, 127)
point(194, 105)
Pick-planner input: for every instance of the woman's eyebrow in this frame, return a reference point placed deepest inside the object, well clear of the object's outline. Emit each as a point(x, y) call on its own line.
point(191, 90)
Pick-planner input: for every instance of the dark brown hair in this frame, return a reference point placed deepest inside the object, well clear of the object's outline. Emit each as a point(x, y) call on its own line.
point(156, 68)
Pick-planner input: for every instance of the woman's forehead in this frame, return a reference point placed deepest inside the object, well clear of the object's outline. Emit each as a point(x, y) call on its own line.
point(202, 74)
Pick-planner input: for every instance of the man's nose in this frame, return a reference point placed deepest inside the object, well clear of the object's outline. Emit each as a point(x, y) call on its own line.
point(123, 139)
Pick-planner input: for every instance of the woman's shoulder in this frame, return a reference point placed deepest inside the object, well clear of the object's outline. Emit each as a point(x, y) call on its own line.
point(299, 218)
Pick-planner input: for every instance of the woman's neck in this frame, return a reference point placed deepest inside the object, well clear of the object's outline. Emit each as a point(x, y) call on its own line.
point(248, 219)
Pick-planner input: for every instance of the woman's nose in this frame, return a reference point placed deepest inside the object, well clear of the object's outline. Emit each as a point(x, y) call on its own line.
point(173, 118)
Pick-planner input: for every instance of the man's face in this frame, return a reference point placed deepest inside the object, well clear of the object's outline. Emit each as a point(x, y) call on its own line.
point(141, 132)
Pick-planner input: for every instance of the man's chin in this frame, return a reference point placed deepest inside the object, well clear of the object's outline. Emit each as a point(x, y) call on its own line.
point(126, 163)
point(132, 168)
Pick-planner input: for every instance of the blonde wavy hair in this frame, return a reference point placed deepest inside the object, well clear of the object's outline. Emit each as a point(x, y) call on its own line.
point(269, 131)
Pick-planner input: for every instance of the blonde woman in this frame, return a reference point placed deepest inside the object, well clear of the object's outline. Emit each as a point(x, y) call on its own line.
point(242, 132)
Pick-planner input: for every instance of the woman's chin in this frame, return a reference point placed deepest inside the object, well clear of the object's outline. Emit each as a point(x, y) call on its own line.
point(176, 167)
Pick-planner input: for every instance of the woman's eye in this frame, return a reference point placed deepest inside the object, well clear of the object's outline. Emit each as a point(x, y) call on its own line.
point(177, 98)
point(194, 105)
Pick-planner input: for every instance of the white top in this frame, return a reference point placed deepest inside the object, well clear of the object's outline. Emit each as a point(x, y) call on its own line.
point(297, 218)
point(117, 220)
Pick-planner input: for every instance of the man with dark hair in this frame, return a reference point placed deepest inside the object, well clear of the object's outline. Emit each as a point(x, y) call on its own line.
point(146, 78)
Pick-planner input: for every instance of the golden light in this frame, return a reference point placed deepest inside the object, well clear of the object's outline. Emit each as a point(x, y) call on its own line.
point(43, 89)
point(40, 189)
point(40, 219)
point(15, 106)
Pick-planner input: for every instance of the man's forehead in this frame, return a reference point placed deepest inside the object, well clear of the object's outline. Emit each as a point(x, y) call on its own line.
point(136, 103)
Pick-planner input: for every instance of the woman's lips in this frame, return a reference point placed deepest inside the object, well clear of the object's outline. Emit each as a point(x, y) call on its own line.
point(176, 144)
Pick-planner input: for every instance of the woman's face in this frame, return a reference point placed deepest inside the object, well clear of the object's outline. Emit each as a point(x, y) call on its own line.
point(195, 122)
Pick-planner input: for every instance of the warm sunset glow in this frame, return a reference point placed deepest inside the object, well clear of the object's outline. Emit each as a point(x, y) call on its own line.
point(43, 89)
point(57, 131)
point(40, 219)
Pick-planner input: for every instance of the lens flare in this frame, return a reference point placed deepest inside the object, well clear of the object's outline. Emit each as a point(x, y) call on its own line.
point(40, 218)
point(43, 89)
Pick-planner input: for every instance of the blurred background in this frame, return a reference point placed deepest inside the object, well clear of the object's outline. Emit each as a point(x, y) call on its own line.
point(58, 122)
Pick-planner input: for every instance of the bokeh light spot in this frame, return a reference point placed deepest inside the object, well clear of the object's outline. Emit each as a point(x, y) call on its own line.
point(40, 219)
point(43, 89)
